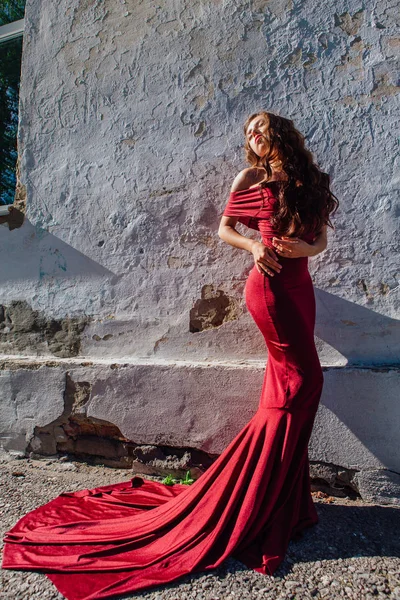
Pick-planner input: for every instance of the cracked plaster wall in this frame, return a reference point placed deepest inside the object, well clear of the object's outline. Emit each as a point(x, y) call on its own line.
point(130, 135)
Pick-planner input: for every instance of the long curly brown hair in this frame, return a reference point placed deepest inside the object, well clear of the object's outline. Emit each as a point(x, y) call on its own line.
point(305, 200)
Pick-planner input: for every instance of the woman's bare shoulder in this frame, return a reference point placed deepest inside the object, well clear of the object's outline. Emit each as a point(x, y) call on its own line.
point(247, 178)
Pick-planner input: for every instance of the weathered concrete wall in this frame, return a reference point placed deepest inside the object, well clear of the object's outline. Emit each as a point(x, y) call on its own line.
point(130, 136)
point(198, 407)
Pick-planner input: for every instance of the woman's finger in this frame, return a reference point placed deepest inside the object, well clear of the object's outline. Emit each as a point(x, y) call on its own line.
point(271, 253)
point(270, 262)
point(289, 239)
point(265, 269)
point(269, 266)
point(286, 243)
point(259, 269)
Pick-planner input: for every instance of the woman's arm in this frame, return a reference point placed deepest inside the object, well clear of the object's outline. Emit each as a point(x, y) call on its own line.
point(265, 258)
point(321, 241)
point(228, 233)
point(295, 247)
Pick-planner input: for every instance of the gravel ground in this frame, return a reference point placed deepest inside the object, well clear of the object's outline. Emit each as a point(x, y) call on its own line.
point(352, 553)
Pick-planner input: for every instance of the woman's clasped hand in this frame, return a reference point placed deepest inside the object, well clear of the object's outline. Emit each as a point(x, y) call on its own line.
point(292, 247)
point(267, 260)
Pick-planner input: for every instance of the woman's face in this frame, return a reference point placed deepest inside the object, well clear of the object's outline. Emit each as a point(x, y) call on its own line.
point(257, 135)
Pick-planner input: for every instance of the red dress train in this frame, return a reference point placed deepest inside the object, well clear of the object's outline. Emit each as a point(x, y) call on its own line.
point(253, 499)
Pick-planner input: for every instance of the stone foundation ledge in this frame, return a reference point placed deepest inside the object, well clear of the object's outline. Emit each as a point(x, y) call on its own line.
point(160, 417)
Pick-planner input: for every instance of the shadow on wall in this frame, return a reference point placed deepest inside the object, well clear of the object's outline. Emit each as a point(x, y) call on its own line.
point(34, 253)
point(357, 421)
point(363, 336)
point(359, 405)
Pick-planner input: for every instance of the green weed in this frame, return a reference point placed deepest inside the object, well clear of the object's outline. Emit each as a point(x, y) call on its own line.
point(170, 480)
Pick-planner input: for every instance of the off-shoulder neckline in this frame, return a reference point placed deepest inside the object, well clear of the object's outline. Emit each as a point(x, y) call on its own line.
point(258, 187)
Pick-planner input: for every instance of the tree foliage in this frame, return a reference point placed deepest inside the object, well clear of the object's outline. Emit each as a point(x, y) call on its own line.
point(11, 10)
point(10, 69)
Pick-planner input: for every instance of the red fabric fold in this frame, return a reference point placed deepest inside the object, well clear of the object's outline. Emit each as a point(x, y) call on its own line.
point(250, 205)
point(92, 548)
point(254, 207)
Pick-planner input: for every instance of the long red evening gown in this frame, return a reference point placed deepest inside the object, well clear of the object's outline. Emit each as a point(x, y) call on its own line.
point(252, 500)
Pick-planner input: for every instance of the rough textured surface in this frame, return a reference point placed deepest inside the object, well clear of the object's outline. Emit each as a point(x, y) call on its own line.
point(357, 422)
point(129, 138)
point(25, 330)
point(379, 486)
point(108, 411)
point(27, 402)
point(353, 552)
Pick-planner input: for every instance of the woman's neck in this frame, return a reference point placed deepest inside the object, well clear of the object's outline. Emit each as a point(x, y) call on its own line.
point(276, 171)
point(275, 166)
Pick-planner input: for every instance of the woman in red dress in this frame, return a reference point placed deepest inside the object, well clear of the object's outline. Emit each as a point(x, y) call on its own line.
point(256, 496)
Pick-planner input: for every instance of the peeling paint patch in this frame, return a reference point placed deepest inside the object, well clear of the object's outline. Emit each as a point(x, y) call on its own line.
point(77, 394)
point(200, 129)
point(165, 192)
point(86, 437)
point(23, 329)
point(311, 59)
point(353, 57)
point(294, 59)
point(128, 142)
point(106, 337)
point(383, 87)
point(75, 433)
point(20, 190)
point(16, 216)
point(364, 288)
point(384, 288)
point(175, 262)
point(212, 310)
point(158, 343)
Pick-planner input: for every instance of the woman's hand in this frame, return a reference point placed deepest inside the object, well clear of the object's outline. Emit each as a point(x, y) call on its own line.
point(295, 247)
point(265, 259)
point(290, 247)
